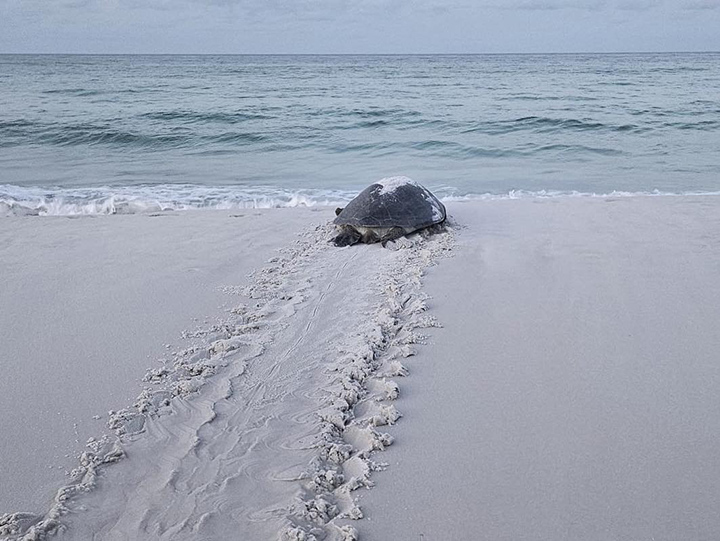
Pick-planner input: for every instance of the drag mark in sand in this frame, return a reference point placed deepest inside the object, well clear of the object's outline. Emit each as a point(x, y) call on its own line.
point(316, 307)
point(359, 393)
point(268, 422)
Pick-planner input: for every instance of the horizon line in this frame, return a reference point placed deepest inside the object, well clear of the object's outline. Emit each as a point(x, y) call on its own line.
point(361, 54)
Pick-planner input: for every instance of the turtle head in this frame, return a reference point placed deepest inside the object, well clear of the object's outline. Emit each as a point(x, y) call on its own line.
point(348, 236)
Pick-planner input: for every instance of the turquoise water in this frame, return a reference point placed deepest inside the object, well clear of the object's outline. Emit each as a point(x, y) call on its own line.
point(107, 133)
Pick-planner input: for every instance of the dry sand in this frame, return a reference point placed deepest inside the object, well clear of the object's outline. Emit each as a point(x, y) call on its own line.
point(88, 304)
point(571, 392)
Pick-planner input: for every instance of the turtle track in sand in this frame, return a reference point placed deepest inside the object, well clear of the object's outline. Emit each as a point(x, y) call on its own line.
point(267, 422)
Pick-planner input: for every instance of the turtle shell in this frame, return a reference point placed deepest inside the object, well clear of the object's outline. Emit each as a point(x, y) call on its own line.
point(393, 202)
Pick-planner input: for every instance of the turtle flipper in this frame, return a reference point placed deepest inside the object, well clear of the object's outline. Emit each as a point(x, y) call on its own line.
point(394, 233)
point(370, 237)
point(347, 237)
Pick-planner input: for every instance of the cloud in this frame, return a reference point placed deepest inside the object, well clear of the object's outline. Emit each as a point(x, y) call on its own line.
point(551, 5)
point(356, 25)
point(638, 5)
point(702, 5)
point(577, 5)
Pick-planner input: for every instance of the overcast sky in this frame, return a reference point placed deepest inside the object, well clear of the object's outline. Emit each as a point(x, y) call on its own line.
point(358, 26)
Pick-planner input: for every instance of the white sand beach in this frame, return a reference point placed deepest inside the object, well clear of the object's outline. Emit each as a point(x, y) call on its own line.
point(89, 303)
point(572, 393)
point(546, 369)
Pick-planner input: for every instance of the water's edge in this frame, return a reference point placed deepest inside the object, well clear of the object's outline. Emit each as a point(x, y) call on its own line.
point(33, 201)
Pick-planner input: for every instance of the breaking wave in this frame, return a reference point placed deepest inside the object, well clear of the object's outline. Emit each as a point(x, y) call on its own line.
point(36, 201)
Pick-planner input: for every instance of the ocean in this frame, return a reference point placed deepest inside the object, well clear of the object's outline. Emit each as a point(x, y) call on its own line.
point(109, 134)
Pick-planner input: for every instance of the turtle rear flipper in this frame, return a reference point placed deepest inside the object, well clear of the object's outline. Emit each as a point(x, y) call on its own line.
point(347, 237)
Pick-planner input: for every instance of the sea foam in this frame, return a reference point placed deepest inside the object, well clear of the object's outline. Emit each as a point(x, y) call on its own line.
point(37, 201)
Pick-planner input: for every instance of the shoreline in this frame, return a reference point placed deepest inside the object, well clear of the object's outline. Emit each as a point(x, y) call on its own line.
point(168, 199)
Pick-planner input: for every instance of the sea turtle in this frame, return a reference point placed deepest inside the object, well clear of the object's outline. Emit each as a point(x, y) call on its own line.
point(386, 210)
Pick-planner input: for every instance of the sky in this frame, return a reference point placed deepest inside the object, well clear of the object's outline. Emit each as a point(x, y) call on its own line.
point(357, 26)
